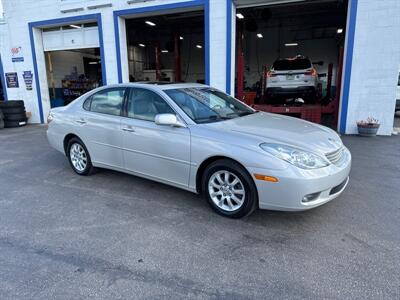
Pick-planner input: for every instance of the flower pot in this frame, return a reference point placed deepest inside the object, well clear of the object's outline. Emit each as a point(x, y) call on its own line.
point(368, 130)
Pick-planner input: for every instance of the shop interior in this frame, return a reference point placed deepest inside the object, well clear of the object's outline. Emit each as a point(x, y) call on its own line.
point(167, 47)
point(311, 29)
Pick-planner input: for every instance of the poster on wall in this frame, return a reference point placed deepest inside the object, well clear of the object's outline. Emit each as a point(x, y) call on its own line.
point(28, 78)
point(16, 54)
point(12, 80)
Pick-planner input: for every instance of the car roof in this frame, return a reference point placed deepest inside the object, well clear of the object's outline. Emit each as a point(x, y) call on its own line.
point(162, 85)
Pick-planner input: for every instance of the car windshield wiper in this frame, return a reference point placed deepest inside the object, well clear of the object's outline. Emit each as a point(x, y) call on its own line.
point(210, 118)
point(241, 114)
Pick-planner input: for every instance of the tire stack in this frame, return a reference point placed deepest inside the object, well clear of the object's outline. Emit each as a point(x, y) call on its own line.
point(1, 119)
point(14, 114)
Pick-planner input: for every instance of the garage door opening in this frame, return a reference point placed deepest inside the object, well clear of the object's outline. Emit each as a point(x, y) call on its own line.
point(168, 47)
point(71, 73)
point(289, 58)
point(73, 61)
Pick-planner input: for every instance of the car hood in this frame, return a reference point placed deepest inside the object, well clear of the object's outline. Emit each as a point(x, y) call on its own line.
point(273, 128)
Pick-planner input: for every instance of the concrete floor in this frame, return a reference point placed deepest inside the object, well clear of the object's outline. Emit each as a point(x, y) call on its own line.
point(115, 236)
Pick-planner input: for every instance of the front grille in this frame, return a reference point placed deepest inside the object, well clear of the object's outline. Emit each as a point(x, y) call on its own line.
point(335, 156)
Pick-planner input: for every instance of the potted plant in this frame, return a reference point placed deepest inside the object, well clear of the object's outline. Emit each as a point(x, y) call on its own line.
point(368, 127)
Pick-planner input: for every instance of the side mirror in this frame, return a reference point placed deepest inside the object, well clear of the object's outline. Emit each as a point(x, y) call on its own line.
point(169, 120)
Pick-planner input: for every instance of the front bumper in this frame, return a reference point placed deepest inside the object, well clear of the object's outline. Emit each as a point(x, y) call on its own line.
point(294, 184)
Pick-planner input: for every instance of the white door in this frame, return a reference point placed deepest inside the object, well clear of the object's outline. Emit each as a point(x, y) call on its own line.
point(156, 151)
point(101, 127)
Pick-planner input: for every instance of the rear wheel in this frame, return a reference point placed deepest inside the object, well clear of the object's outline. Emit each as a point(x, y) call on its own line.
point(229, 189)
point(79, 157)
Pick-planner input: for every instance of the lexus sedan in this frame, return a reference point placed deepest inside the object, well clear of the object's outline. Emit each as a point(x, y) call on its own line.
point(200, 139)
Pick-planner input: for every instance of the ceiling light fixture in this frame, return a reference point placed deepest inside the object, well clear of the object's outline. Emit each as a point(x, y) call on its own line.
point(150, 23)
point(239, 16)
point(291, 44)
point(199, 46)
point(75, 26)
point(259, 35)
point(181, 37)
point(340, 30)
point(142, 45)
point(164, 51)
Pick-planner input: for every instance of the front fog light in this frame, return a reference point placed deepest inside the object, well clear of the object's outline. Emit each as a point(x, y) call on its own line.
point(310, 197)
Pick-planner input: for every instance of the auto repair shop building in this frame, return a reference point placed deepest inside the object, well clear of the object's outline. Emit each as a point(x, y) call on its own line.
point(52, 51)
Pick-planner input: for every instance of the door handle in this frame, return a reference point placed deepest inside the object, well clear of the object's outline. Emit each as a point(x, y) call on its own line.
point(81, 121)
point(128, 129)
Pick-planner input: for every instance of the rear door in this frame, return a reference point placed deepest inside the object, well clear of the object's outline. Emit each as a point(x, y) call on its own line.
point(157, 151)
point(100, 126)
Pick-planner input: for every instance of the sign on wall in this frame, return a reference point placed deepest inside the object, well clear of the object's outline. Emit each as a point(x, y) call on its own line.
point(16, 54)
point(28, 78)
point(12, 80)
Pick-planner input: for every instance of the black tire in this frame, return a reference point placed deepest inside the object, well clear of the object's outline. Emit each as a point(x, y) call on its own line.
point(12, 124)
point(89, 167)
point(12, 103)
point(15, 117)
point(13, 110)
point(250, 202)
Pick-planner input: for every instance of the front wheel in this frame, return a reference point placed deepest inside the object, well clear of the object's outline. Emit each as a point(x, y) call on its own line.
point(79, 157)
point(229, 189)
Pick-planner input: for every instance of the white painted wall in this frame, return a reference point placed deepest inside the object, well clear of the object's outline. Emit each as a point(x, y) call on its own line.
point(218, 44)
point(376, 58)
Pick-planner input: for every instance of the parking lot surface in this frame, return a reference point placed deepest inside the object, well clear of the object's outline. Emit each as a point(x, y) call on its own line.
point(116, 236)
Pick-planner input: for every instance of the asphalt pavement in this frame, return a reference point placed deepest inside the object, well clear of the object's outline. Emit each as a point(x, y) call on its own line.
point(116, 236)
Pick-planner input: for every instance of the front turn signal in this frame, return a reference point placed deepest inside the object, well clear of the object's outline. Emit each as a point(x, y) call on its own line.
point(266, 178)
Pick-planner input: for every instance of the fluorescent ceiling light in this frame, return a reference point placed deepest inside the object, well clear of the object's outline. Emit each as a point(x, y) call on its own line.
point(199, 46)
point(239, 16)
point(142, 45)
point(340, 30)
point(150, 23)
point(164, 51)
point(93, 63)
point(75, 26)
point(291, 44)
point(259, 35)
point(181, 37)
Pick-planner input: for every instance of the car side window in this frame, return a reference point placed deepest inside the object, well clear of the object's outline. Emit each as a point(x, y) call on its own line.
point(145, 105)
point(86, 104)
point(107, 101)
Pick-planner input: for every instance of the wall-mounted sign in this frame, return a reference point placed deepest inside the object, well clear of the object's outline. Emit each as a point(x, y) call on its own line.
point(12, 80)
point(16, 54)
point(28, 78)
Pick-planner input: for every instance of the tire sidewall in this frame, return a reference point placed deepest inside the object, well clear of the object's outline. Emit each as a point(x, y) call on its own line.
point(251, 197)
point(88, 167)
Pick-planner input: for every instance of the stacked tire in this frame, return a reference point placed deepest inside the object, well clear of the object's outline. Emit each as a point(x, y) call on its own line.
point(1, 119)
point(14, 114)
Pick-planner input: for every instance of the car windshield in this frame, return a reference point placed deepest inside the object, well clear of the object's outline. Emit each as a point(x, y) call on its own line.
point(292, 64)
point(205, 105)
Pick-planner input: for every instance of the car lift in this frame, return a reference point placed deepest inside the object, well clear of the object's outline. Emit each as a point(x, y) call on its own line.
point(309, 112)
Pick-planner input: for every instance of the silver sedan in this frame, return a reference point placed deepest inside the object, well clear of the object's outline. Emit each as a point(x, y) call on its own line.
point(200, 139)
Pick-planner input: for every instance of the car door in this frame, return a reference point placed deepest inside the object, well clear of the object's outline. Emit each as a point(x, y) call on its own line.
point(157, 151)
point(100, 127)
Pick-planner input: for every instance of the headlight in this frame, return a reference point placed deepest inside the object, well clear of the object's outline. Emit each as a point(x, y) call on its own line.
point(297, 157)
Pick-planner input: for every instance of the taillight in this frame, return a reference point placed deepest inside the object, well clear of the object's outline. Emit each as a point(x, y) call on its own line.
point(312, 72)
point(271, 74)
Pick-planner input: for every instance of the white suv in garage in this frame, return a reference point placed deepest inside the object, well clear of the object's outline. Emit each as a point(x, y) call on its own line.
point(293, 77)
